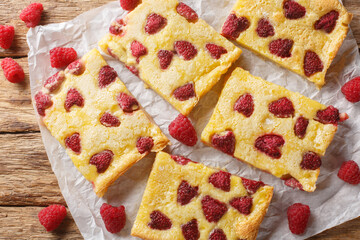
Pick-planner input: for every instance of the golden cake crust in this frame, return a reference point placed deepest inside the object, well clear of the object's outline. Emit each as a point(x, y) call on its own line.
point(203, 70)
point(262, 122)
point(161, 195)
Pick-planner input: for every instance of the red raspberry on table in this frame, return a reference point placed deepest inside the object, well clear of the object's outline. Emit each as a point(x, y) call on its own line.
point(185, 92)
point(186, 192)
point(187, 12)
point(61, 57)
point(350, 172)
point(6, 36)
point(190, 230)
point(144, 144)
point(245, 105)
point(159, 221)
point(73, 97)
point(127, 103)
point(76, 68)
point(182, 130)
point(215, 50)
point(264, 28)
point(185, 49)
point(109, 120)
point(217, 234)
point(107, 75)
point(52, 216)
point(300, 127)
point(330, 115)
point(224, 142)
point(12, 70)
point(129, 5)
point(242, 204)
point(43, 102)
point(165, 58)
point(351, 90)
point(74, 143)
point(213, 209)
point(181, 160)
point(293, 10)
point(298, 216)
point(54, 82)
point(281, 47)
point(113, 217)
point(154, 23)
point(138, 50)
point(251, 185)
point(327, 22)
point(312, 64)
point(102, 160)
point(233, 26)
point(282, 108)
point(31, 15)
point(221, 180)
point(270, 145)
point(310, 161)
point(293, 183)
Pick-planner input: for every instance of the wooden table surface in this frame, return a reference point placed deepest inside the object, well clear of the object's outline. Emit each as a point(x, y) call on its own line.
point(27, 183)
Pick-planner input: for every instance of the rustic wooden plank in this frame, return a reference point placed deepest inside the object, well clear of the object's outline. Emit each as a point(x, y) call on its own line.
point(346, 231)
point(22, 223)
point(353, 6)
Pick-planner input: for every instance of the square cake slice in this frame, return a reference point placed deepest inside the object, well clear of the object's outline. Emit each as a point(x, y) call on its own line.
point(174, 52)
point(272, 128)
point(102, 126)
point(300, 35)
point(187, 200)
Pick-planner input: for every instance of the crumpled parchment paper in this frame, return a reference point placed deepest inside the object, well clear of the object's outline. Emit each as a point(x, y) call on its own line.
point(334, 201)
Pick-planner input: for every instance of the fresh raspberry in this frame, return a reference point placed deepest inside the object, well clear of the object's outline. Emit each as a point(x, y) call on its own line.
point(159, 221)
point(281, 47)
point(270, 145)
point(43, 102)
point(215, 50)
point(12, 70)
point(181, 160)
point(74, 143)
point(190, 230)
point(265, 28)
point(213, 209)
point(52, 216)
point(102, 160)
point(327, 22)
point(293, 183)
point(330, 115)
point(298, 217)
point(351, 90)
point(251, 185)
point(233, 26)
point(54, 82)
point(282, 108)
point(133, 70)
point(138, 50)
point(310, 161)
point(300, 127)
point(217, 234)
point(31, 15)
point(144, 144)
point(109, 120)
point(221, 180)
point(186, 192)
point(350, 172)
point(73, 97)
point(242, 204)
point(154, 23)
point(224, 142)
point(312, 63)
point(61, 57)
point(185, 92)
point(76, 68)
point(107, 75)
point(129, 5)
point(165, 58)
point(187, 12)
point(127, 103)
point(113, 217)
point(185, 49)
point(245, 105)
point(6, 36)
point(293, 10)
point(118, 27)
point(182, 130)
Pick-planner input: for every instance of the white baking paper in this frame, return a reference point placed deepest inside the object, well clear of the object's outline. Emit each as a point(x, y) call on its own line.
point(334, 201)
